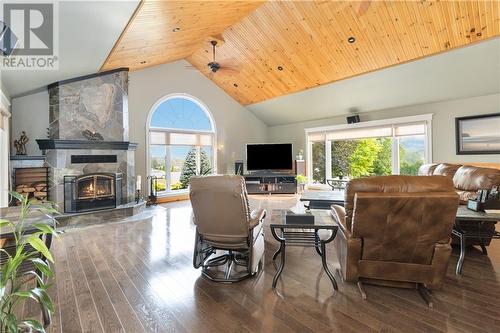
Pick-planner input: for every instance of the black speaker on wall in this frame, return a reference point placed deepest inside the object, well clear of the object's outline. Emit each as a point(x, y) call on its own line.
point(238, 168)
point(353, 119)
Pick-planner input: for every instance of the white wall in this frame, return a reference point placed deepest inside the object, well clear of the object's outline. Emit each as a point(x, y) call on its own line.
point(443, 125)
point(30, 114)
point(4, 89)
point(236, 126)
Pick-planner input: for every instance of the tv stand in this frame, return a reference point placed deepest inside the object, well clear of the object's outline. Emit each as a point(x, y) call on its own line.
point(270, 182)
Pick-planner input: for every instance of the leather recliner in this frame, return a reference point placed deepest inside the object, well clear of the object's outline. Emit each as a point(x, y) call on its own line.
point(228, 234)
point(395, 231)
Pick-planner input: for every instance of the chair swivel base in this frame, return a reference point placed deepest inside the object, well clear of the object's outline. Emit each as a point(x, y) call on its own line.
point(230, 260)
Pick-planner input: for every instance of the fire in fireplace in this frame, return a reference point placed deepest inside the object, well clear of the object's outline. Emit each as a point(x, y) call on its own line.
point(91, 192)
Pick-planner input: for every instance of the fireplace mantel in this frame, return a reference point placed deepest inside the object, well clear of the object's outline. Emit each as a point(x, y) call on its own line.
point(45, 144)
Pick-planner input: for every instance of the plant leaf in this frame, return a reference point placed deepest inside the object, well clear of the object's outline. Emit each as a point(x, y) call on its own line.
point(34, 324)
point(42, 266)
point(4, 223)
point(40, 246)
point(12, 323)
point(43, 298)
point(44, 228)
point(16, 195)
point(39, 279)
point(24, 295)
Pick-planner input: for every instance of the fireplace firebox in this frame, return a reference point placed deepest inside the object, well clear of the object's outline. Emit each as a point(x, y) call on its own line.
point(91, 192)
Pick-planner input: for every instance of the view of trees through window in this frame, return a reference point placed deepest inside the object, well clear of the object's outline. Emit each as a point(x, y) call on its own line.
point(318, 162)
point(368, 157)
point(183, 165)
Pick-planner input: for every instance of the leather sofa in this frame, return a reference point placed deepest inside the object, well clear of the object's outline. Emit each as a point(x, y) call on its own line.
point(467, 180)
point(395, 230)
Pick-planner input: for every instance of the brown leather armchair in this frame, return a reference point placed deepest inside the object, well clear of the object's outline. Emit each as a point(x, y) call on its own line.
point(395, 231)
point(228, 234)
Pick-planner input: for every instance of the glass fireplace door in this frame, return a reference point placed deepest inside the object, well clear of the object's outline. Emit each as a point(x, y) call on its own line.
point(95, 186)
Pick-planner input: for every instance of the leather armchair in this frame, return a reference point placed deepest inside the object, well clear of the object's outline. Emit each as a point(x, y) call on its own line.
point(228, 234)
point(395, 231)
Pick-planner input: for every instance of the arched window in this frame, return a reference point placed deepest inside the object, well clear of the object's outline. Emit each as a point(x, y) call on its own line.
point(181, 135)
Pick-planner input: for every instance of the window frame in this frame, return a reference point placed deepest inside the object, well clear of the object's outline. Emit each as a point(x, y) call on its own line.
point(424, 118)
point(5, 149)
point(149, 128)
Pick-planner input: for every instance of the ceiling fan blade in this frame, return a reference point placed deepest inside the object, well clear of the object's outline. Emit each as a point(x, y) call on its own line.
point(229, 62)
point(229, 70)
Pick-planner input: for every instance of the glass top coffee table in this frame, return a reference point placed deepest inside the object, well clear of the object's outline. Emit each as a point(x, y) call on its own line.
point(317, 235)
point(323, 199)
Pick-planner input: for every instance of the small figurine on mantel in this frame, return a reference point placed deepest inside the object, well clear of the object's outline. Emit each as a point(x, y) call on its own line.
point(92, 136)
point(20, 144)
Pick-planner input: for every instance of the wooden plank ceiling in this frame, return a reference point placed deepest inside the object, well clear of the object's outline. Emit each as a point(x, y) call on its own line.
point(307, 40)
point(162, 31)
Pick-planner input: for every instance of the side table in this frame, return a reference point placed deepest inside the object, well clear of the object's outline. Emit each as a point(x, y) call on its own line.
point(305, 235)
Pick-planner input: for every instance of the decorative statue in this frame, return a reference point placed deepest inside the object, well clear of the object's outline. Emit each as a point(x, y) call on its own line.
point(92, 136)
point(20, 144)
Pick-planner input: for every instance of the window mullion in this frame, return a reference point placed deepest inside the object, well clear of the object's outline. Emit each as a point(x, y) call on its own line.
point(328, 159)
point(395, 156)
point(168, 169)
point(198, 159)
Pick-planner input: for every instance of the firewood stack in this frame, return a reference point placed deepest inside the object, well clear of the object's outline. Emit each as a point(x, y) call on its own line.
point(37, 191)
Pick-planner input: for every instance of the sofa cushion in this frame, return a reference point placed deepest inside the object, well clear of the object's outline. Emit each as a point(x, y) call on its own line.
point(466, 195)
point(426, 169)
point(471, 178)
point(445, 169)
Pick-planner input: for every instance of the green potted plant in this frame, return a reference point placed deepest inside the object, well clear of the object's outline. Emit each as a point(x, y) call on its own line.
point(25, 248)
point(301, 182)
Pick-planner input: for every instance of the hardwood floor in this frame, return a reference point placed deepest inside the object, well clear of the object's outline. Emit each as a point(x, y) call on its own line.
point(137, 276)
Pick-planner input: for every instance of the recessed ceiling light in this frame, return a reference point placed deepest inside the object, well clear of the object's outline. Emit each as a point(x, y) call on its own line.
point(280, 68)
point(351, 39)
point(176, 29)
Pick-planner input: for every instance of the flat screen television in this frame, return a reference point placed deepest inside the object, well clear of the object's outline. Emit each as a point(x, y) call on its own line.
point(269, 156)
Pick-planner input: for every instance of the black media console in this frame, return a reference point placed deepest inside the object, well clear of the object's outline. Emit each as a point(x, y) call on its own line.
point(262, 183)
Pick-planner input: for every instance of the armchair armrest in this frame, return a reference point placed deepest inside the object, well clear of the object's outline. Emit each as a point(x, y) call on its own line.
point(255, 217)
point(338, 215)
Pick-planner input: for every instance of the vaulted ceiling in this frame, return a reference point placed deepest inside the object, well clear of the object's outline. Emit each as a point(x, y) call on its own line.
point(165, 31)
point(280, 47)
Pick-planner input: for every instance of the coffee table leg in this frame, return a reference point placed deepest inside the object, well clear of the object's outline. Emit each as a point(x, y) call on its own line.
point(316, 246)
point(325, 266)
point(461, 259)
point(277, 252)
point(282, 264)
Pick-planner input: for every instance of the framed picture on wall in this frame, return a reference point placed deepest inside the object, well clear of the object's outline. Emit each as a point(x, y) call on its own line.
point(477, 135)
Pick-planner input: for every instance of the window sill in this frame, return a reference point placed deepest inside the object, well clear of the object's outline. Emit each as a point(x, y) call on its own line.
point(173, 194)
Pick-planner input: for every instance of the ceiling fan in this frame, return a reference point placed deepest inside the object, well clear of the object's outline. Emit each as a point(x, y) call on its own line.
point(215, 66)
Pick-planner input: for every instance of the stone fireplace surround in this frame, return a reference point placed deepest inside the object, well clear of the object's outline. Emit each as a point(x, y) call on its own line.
point(96, 104)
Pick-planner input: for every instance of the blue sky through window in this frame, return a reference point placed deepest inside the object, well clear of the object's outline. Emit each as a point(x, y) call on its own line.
point(180, 113)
